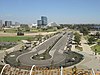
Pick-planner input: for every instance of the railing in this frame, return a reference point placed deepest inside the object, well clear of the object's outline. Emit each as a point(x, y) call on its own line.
point(8, 70)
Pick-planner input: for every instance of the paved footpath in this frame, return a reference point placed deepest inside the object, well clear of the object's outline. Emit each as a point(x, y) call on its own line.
point(90, 60)
point(85, 46)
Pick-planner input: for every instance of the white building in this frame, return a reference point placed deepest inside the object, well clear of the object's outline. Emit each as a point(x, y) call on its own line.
point(53, 24)
point(34, 25)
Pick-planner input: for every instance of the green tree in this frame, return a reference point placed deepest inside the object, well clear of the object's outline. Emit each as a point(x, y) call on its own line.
point(77, 38)
point(39, 38)
point(95, 51)
point(84, 30)
point(98, 34)
point(18, 29)
point(91, 40)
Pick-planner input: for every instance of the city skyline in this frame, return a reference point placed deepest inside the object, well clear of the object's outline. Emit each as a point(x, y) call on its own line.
point(60, 11)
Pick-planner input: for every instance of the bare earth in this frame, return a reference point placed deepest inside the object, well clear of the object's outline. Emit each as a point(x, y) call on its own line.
point(25, 34)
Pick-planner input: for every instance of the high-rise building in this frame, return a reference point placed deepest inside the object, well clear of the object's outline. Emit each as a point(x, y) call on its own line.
point(44, 20)
point(39, 22)
point(1, 24)
point(8, 23)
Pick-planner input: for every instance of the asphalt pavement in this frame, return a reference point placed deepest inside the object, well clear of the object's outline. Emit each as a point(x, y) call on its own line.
point(57, 56)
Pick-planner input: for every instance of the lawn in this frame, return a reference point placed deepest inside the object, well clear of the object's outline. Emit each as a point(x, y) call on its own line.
point(96, 47)
point(15, 38)
point(86, 37)
point(34, 30)
point(43, 30)
point(98, 40)
point(11, 30)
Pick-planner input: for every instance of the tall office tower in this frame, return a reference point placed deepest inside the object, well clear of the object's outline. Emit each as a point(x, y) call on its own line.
point(39, 23)
point(8, 23)
point(44, 20)
point(1, 24)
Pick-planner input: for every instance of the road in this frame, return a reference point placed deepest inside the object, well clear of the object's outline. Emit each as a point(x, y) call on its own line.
point(57, 50)
point(3, 52)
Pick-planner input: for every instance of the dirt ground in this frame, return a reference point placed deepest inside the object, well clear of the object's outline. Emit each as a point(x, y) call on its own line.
point(25, 34)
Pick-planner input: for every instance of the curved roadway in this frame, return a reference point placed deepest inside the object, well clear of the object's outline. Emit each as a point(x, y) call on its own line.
point(56, 52)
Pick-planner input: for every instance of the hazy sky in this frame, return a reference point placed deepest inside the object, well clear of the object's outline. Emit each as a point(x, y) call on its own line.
point(60, 11)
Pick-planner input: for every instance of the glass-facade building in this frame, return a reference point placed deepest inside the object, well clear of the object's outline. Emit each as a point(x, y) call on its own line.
point(42, 22)
point(8, 23)
point(39, 22)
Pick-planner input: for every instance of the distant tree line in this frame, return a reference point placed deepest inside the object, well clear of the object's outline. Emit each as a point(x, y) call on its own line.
point(78, 26)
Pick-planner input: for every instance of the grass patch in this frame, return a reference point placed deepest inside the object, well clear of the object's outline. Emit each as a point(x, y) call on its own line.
point(51, 30)
point(15, 38)
point(43, 30)
point(86, 37)
point(34, 30)
point(11, 30)
point(98, 40)
point(79, 48)
point(96, 47)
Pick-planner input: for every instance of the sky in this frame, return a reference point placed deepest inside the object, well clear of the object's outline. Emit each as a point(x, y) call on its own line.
point(59, 11)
